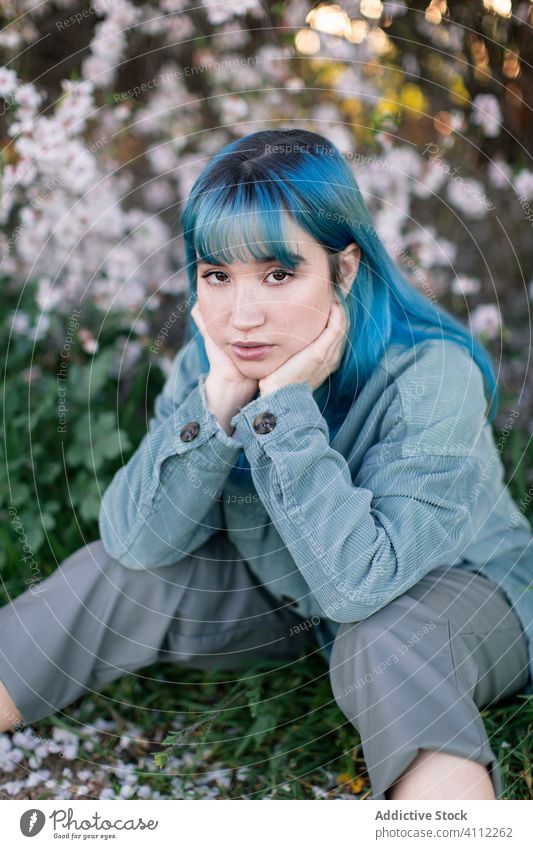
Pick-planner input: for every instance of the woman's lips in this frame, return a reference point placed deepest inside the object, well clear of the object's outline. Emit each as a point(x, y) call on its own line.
point(251, 353)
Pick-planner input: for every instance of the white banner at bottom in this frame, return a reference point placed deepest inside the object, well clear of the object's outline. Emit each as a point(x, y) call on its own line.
point(241, 823)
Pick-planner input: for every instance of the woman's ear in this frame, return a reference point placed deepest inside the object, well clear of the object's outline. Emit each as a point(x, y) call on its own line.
point(348, 266)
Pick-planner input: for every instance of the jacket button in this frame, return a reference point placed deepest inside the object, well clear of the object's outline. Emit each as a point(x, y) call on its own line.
point(190, 431)
point(264, 422)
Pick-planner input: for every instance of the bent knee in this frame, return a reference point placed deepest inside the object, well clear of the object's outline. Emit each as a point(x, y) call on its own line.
point(383, 628)
point(364, 651)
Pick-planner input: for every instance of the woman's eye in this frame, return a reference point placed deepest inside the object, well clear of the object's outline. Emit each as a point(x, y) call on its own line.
point(207, 276)
point(283, 272)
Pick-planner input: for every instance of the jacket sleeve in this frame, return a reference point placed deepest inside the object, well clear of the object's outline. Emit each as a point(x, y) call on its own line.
point(359, 543)
point(164, 502)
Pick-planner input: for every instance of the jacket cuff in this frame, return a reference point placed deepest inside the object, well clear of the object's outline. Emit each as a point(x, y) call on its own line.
point(293, 407)
point(195, 411)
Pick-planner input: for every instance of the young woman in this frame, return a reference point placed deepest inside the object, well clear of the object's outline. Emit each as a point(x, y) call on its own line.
point(320, 475)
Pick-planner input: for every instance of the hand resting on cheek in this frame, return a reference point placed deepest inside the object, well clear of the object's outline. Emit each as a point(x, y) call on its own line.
point(314, 363)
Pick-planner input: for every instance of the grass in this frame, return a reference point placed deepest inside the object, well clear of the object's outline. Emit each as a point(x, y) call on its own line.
point(263, 735)
point(266, 734)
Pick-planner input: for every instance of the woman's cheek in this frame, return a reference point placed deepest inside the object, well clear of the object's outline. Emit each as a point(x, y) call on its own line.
point(216, 324)
point(313, 328)
point(297, 322)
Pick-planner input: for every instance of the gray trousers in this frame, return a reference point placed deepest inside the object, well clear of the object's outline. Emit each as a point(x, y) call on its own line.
point(412, 675)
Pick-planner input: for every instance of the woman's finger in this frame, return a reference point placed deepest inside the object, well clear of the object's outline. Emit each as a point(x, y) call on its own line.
point(197, 315)
point(337, 323)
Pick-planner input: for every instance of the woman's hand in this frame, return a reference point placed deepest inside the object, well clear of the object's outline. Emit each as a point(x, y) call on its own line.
point(317, 360)
point(227, 388)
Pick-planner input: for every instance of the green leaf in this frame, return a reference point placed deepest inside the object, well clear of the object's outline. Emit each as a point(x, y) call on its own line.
point(97, 439)
point(254, 697)
point(30, 532)
point(20, 493)
point(263, 725)
point(86, 496)
point(84, 382)
point(48, 520)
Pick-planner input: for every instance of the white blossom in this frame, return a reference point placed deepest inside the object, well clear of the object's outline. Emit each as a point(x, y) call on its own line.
point(107, 793)
point(25, 740)
point(234, 108)
point(295, 12)
point(28, 99)
point(10, 38)
point(430, 181)
point(144, 791)
point(123, 13)
point(178, 29)
point(464, 285)
point(487, 114)
point(82, 790)
point(394, 8)
point(174, 5)
point(469, 197)
point(431, 250)
point(8, 82)
point(499, 173)
point(523, 184)
point(12, 787)
point(485, 320)
point(98, 70)
point(69, 742)
point(219, 12)
point(37, 777)
point(228, 36)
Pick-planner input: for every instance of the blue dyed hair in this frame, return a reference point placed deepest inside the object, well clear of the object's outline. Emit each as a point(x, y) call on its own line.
point(238, 209)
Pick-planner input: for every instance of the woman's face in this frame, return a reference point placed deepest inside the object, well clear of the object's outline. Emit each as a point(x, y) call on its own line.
point(262, 302)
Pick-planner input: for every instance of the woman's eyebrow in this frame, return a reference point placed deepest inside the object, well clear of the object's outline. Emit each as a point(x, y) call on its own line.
point(301, 260)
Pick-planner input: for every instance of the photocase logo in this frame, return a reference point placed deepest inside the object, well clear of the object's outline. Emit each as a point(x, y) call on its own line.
point(32, 822)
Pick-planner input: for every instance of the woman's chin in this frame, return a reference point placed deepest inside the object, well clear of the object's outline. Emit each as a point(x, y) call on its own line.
point(256, 369)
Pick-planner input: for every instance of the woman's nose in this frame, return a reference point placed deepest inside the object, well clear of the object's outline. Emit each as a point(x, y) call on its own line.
point(246, 315)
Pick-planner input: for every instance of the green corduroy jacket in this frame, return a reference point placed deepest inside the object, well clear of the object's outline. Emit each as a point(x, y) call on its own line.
point(413, 480)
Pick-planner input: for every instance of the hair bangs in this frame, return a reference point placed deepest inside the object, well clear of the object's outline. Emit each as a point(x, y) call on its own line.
point(245, 226)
